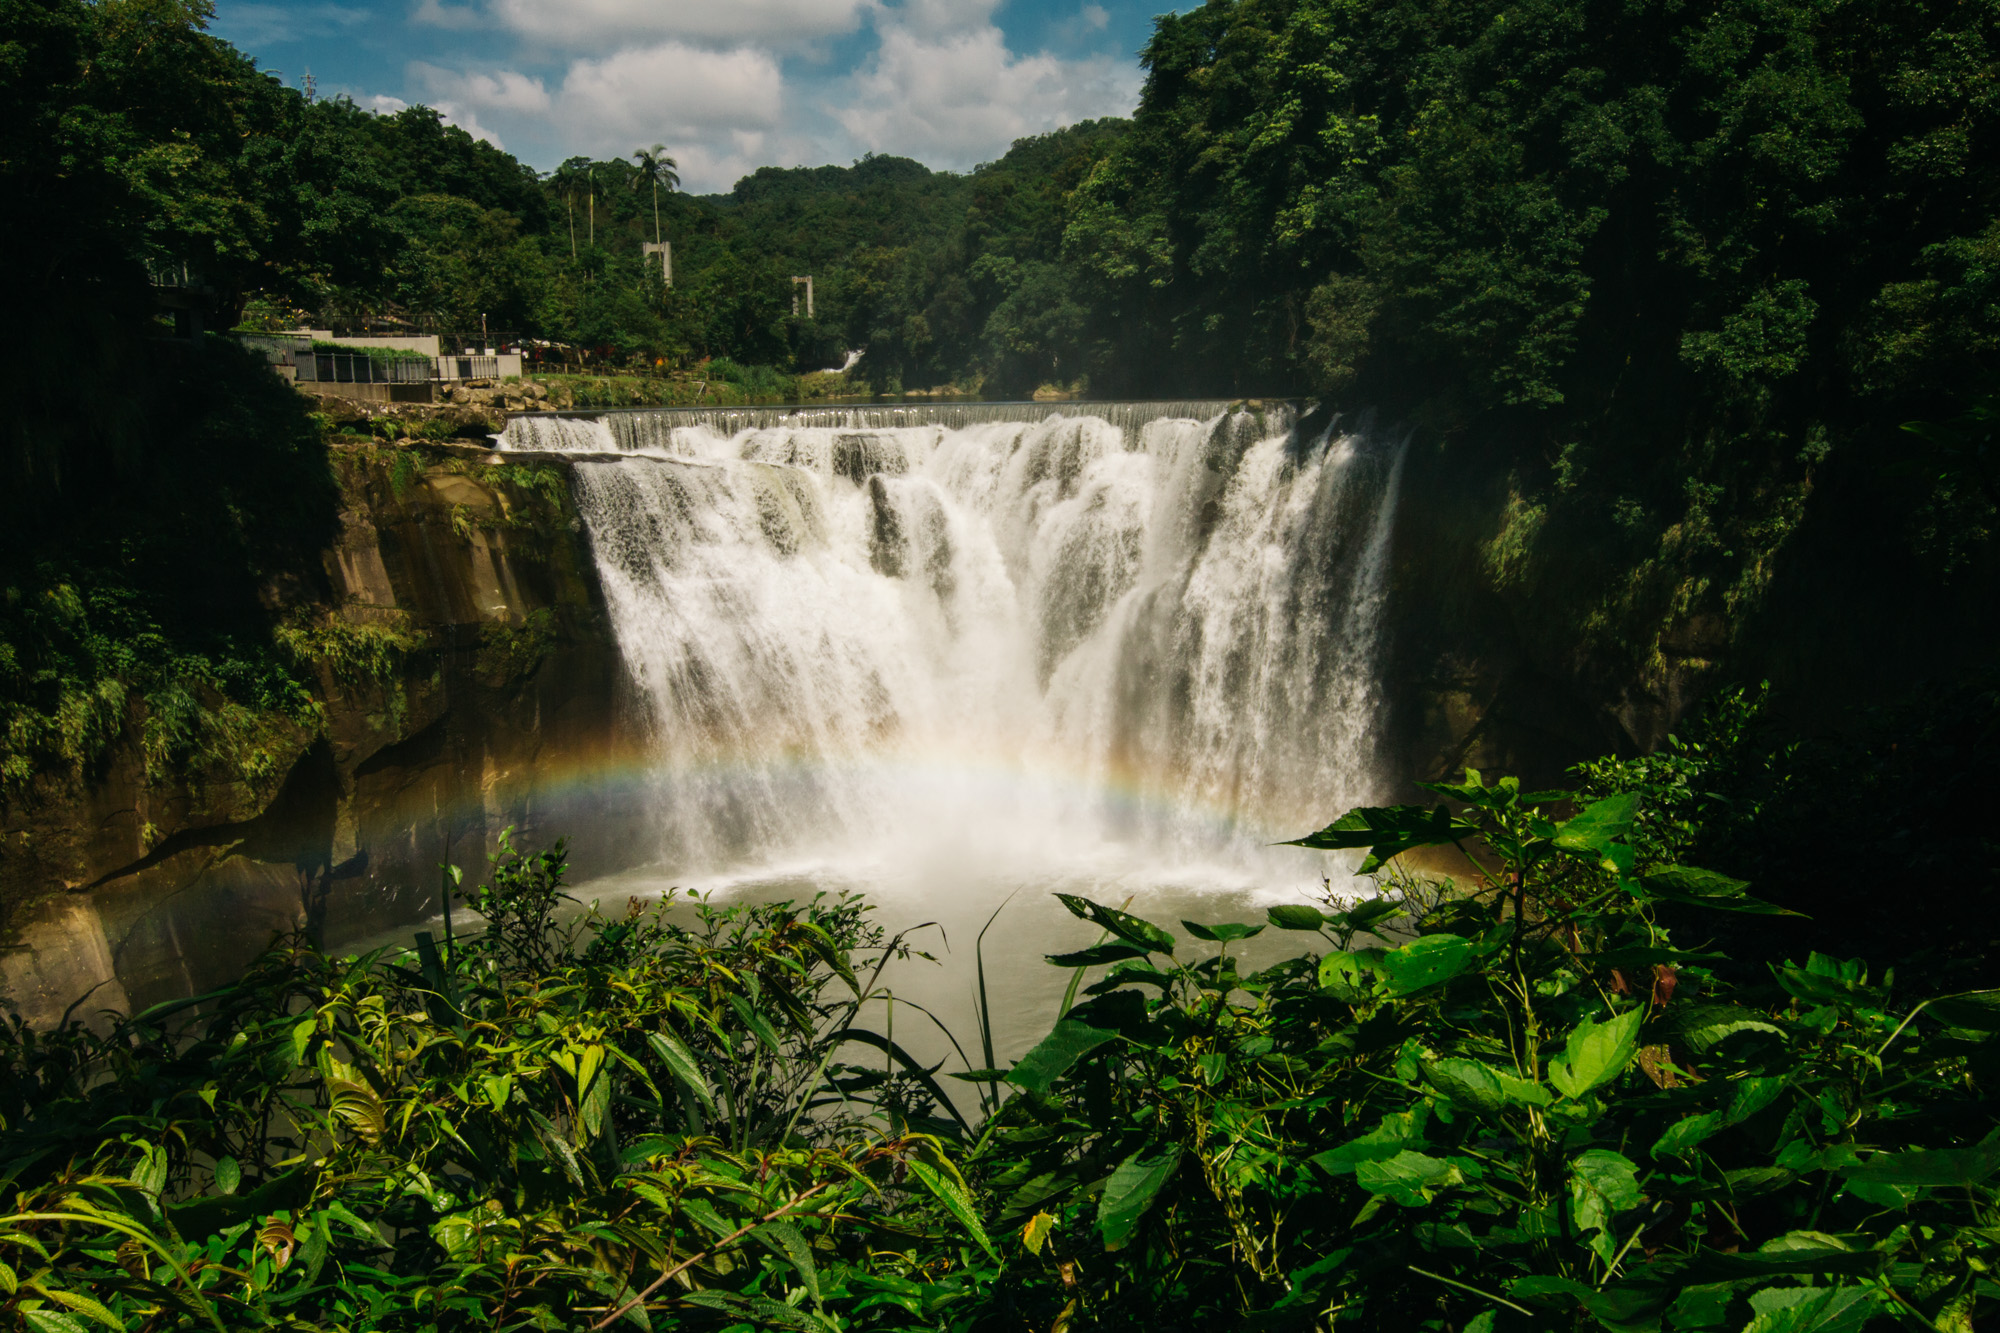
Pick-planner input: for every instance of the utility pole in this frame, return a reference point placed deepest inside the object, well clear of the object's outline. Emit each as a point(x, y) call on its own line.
point(807, 280)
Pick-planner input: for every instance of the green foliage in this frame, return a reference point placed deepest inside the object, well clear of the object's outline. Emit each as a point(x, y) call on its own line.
point(1525, 1105)
point(510, 651)
point(383, 354)
point(130, 600)
point(543, 1126)
point(355, 652)
point(1531, 1109)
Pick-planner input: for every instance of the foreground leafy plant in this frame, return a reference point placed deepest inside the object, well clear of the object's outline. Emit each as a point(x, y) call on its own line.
point(1522, 1106)
point(1505, 1101)
point(547, 1126)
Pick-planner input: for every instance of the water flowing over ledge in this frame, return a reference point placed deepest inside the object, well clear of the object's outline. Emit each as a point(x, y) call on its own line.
point(1126, 639)
point(639, 430)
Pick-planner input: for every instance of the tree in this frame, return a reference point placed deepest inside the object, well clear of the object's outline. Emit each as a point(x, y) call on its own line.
point(572, 177)
point(655, 169)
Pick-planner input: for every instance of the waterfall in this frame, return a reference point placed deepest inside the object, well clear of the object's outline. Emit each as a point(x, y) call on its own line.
point(997, 635)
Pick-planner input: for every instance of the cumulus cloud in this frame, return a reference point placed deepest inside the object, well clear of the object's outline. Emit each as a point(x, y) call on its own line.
point(600, 24)
point(506, 91)
point(955, 97)
point(715, 110)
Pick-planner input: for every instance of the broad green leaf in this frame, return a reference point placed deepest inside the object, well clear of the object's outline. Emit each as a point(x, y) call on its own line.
point(1481, 1087)
point(1396, 1132)
point(1977, 1010)
point(46, 1320)
point(1098, 955)
point(1684, 1135)
point(88, 1306)
point(1539, 1287)
point(498, 1088)
point(228, 1175)
point(1116, 1011)
point(1124, 925)
point(680, 1063)
point(1599, 824)
point(302, 1034)
point(356, 1104)
point(1131, 1192)
point(1067, 1042)
point(1840, 1309)
point(1596, 1053)
point(150, 1172)
point(949, 1190)
point(1602, 1185)
point(1295, 916)
point(1937, 1166)
point(1352, 976)
point(1750, 1096)
point(595, 1105)
point(1385, 831)
point(1131, 972)
point(1036, 1230)
point(1409, 1178)
point(1426, 961)
point(1366, 913)
point(786, 1241)
point(1795, 1260)
point(1753, 1095)
point(1705, 888)
point(1223, 934)
point(1703, 1027)
point(756, 1022)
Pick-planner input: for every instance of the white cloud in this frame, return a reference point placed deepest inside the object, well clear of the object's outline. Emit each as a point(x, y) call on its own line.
point(506, 91)
point(384, 105)
point(961, 98)
point(715, 110)
point(608, 24)
point(663, 91)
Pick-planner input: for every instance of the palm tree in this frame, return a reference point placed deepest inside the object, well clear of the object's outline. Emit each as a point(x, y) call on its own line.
point(571, 179)
point(656, 169)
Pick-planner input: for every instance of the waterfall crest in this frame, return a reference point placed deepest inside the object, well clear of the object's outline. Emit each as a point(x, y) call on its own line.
point(1016, 635)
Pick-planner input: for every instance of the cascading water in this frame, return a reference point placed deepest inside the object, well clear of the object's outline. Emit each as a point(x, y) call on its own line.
point(1120, 643)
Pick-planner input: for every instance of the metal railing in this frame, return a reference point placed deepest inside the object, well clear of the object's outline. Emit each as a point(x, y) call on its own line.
point(360, 368)
point(471, 367)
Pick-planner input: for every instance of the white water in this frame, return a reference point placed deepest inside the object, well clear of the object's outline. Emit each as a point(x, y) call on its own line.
point(963, 648)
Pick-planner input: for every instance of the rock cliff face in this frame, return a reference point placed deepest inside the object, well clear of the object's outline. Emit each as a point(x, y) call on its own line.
point(466, 679)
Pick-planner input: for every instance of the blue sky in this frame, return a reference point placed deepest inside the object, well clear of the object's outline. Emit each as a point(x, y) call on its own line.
point(727, 85)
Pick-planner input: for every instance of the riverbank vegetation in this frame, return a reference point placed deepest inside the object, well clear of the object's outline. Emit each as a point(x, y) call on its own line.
point(1535, 1094)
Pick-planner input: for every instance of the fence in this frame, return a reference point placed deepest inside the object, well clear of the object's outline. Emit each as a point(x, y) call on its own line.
point(359, 368)
point(469, 367)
